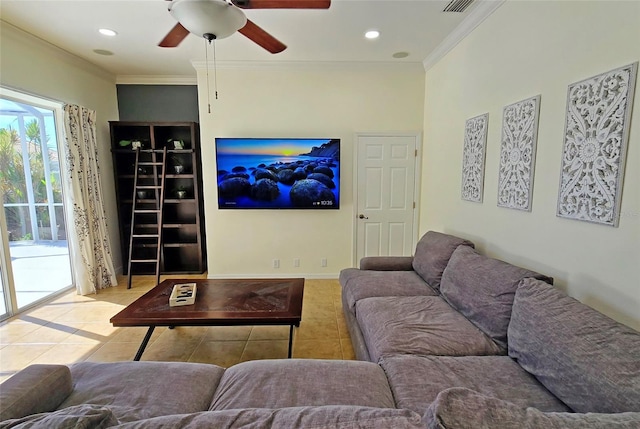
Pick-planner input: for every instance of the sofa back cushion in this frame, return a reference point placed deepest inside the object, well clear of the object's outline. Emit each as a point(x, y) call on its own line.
point(463, 408)
point(35, 389)
point(280, 383)
point(482, 289)
point(589, 361)
point(432, 255)
point(139, 390)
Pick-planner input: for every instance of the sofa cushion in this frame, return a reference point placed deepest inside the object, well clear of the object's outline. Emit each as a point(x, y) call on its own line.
point(464, 408)
point(327, 417)
point(359, 284)
point(589, 361)
point(138, 390)
point(432, 255)
point(83, 416)
point(301, 383)
point(35, 389)
point(418, 325)
point(482, 289)
point(416, 381)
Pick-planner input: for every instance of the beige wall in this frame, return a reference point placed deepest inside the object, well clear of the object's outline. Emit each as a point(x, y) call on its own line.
point(33, 66)
point(524, 49)
point(298, 102)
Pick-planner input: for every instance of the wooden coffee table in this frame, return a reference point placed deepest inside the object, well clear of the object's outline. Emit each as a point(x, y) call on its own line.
point(218, 303)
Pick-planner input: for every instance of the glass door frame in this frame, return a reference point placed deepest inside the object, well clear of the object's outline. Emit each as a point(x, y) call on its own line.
point(6, 272)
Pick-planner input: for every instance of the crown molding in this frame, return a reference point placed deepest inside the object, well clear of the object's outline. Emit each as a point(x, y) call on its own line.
point(482, 11)
point(156, 80)
point(309, 65)
point(11, 31)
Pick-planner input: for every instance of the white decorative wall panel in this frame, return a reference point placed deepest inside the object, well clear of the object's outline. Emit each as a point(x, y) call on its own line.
point(518, 154)
point(595, 144)
point(475, 142)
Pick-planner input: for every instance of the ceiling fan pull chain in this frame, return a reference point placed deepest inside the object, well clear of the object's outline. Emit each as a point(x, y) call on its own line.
point(206, 61)
point(215, 70)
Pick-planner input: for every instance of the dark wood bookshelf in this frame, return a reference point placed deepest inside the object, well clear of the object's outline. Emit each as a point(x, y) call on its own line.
point(183, 232)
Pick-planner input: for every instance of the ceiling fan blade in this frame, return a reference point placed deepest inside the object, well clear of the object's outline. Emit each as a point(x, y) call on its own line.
point(262, 38)
point(282, 4)
point(174, 37)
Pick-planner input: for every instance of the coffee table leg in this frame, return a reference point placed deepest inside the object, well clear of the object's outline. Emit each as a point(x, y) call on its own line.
point(290, 340)
point(145, 341)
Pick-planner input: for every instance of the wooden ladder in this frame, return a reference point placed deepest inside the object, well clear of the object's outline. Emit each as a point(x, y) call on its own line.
point(148, 201)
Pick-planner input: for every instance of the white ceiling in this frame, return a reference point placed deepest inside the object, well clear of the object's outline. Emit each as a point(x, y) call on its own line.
point(333, 35)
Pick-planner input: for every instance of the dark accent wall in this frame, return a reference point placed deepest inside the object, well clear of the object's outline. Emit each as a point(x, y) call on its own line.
point(158, 103)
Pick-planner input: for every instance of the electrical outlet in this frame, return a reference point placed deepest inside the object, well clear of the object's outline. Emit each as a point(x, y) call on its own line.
point(276, 263)
point(323, 262)
point(296, 262)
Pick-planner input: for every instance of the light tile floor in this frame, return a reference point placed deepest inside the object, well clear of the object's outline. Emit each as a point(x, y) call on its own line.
point(74, 328)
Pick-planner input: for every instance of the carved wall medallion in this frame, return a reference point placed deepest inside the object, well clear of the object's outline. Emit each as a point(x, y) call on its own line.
point(595, 143)
point(475, 143)
point(518, 154)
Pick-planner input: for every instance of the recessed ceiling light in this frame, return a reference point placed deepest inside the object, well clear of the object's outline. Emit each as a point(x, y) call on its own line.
point(372, 34)
point(107, 32)
point(400, 55)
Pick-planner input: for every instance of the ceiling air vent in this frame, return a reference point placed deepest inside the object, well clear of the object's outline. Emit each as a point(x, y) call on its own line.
point(458, 5)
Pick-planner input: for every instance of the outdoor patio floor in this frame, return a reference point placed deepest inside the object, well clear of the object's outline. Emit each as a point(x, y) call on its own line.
point(39, 269)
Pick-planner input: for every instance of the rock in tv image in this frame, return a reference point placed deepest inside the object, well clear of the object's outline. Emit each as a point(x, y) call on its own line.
point(272, 173)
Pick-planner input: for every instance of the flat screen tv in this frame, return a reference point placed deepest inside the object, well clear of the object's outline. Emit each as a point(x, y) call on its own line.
point(273, 173)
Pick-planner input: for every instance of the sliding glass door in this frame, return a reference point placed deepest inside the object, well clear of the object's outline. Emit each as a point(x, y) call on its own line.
point(33, 224)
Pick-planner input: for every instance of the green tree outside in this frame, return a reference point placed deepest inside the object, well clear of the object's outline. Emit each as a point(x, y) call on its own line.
point(12, 179)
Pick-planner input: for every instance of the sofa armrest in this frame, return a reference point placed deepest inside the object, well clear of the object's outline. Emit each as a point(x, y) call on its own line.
point(35, 389)
point(387, 263)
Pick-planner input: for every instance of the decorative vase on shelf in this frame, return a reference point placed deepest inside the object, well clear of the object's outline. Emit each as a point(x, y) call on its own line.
point(142, 194)
point(136, 144)
point(178, 169)
point(178, 144)
point(181, 193)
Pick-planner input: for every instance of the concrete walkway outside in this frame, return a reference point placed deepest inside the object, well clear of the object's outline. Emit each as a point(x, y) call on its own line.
point(39, 269)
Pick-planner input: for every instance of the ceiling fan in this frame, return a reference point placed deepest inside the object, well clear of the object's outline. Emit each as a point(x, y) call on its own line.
point(217, 19)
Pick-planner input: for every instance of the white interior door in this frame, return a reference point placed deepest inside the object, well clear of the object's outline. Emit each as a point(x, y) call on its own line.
point(386, 195)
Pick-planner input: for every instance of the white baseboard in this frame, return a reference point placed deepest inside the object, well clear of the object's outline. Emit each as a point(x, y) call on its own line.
point(329, 276)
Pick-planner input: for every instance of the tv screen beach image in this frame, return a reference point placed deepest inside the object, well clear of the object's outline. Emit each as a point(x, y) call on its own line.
point(271, 173)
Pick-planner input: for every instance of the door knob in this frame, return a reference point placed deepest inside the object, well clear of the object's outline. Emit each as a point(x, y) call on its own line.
point(363, 216)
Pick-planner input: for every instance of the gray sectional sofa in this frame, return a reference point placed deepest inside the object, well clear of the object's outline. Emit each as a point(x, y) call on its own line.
point(448, 338)
point(469, 341)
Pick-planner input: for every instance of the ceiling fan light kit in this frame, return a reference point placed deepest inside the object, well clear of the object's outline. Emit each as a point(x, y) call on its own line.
point(202, 17)
point(217, 19)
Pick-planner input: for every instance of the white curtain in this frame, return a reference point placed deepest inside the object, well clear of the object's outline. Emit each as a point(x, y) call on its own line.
point(89, 245)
